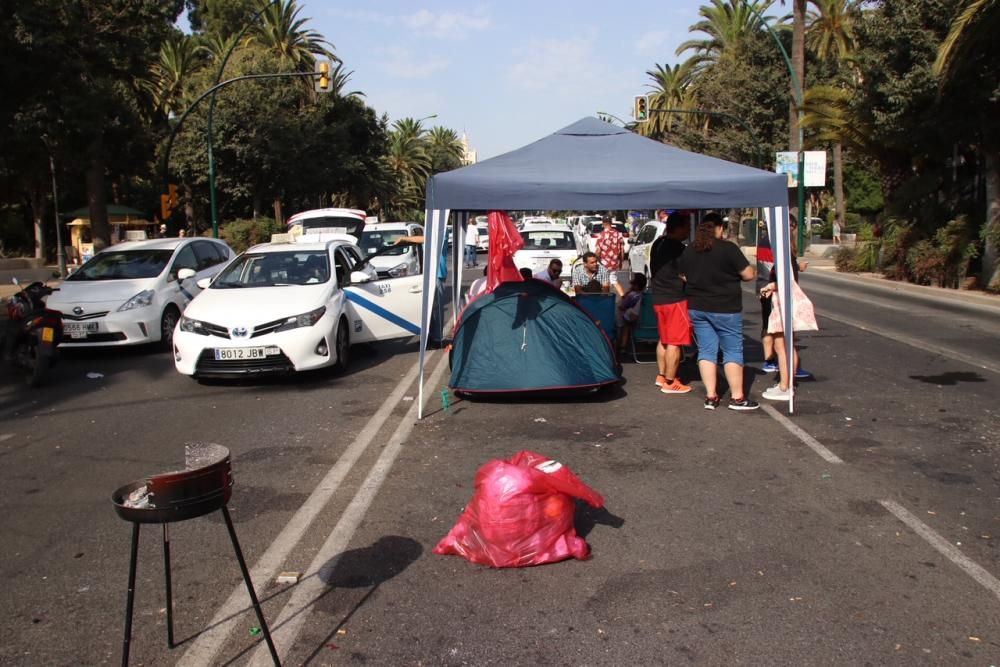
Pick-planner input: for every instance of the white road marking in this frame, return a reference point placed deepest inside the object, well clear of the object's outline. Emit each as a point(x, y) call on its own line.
point(915, 342)
point(205, 647)
point(286, 629)
point(6, 436)
point(971, 568)
point(799, 433)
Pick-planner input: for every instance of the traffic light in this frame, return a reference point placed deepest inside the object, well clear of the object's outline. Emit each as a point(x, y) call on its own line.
point(165, 208)
point(641, 109)
point(172, 194)
point(324, 84)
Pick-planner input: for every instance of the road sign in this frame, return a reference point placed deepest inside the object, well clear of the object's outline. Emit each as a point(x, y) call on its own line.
point(788, 163)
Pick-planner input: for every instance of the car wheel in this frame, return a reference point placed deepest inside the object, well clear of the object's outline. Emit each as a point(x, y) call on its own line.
point(167, 324)
point(342, 347)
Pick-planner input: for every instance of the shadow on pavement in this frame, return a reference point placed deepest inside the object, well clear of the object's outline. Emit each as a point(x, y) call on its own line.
point(587, 517)
point(950, 379)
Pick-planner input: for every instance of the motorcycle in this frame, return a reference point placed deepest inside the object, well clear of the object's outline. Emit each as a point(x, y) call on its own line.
point(33, 333)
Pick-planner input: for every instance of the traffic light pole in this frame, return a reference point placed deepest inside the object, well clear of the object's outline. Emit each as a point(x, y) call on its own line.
point(211, 113)
point(800, 112)
point(207, 93)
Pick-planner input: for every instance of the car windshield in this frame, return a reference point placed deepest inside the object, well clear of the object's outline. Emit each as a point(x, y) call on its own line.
point(373, 241)
point(124, 265)
point(598, 227)
point(548, 240)
point(274, 269)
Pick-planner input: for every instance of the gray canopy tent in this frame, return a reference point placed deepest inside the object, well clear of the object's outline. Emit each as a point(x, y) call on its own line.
point(589, 166)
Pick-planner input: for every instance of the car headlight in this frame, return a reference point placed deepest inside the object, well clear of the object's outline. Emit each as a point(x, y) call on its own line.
point(398, 271)
point(303, 320)
point(193, 326)
point(140, 300)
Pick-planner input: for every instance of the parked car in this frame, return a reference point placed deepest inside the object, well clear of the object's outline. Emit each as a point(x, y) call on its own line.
point(134, 293)
point(392, 261)
point(348, 221)
point(639, 254)
point(543, 243)
point(286, 307)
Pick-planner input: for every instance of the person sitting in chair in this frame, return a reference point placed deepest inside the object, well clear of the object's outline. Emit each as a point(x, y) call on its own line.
point(590, 277)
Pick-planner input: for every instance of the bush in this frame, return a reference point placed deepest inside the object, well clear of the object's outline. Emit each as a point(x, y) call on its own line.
point(844, 259)
point(896, 241)
point(943, 260)
point(241, 234)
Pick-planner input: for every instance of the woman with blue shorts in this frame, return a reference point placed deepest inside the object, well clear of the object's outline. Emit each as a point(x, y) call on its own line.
point(714, 269)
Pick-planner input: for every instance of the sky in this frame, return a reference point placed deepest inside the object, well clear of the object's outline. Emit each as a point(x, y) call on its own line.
point(506, 73)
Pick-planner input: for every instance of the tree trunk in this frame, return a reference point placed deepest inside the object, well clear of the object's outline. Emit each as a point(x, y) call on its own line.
point(277, 211)
point(991, 258)
point(189, 210)
point(37, 197)
point(799, 65)
point(97, 200)
point(838, 184)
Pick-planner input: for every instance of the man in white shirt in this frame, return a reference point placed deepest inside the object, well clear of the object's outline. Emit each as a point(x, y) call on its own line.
point(471, 242)
point(552, 274)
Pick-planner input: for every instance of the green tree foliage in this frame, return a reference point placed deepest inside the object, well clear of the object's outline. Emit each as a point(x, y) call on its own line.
point(221, 18)
point(728, 25)
point(444, 149)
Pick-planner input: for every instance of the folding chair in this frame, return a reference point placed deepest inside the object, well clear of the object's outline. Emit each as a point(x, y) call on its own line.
point(646, 329)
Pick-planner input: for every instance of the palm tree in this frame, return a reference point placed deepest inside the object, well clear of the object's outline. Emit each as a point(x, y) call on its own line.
point(970, 37)
point(727, 24)
point(672, 89)
point(281, 31)
point(178, 59)
point(409, 160)
point(799, 65)
point(830, 34)
point(445, 149)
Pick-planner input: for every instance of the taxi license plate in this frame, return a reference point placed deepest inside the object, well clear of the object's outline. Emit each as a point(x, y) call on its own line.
point(79, 329)
point(244, 353)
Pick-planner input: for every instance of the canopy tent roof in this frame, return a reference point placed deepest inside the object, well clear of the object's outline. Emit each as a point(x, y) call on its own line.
point(593, 165)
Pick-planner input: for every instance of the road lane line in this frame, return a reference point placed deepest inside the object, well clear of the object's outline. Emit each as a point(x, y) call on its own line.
point(6, 436)
point(971, 568)
point(915, 342)
point(206, 646)
point(799, 433)
point(311, 586)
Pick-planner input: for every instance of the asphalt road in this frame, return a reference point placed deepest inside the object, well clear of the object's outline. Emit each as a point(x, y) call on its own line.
point(726, 539)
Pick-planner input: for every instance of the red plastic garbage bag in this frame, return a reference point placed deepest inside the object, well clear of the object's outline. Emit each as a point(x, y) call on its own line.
point(521, 514)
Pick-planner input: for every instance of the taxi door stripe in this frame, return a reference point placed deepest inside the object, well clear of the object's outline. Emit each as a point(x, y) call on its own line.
point(359, 300)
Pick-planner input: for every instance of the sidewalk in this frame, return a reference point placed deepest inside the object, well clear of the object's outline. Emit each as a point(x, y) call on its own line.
point(825, 266)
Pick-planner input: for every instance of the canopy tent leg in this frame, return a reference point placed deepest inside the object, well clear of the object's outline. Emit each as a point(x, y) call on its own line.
point(779, 232)
point(435, 231)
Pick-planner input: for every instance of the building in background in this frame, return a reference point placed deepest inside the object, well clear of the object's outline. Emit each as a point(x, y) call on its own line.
point(469, 155)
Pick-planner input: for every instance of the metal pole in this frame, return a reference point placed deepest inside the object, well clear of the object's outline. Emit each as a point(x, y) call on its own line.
point(211, 114)
point(60, 251)
point(180, 121)
point(130, 600)
point(169, 587)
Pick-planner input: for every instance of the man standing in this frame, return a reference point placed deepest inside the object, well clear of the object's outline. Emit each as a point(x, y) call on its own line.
point(551, 274)
point(610, 246)
point(471, 243)
point(589, 276)
point(670, 303)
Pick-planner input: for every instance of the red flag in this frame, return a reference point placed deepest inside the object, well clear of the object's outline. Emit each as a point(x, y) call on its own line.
point(505, 240)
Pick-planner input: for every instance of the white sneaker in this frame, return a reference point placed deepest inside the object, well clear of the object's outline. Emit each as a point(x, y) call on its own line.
point(776, 393)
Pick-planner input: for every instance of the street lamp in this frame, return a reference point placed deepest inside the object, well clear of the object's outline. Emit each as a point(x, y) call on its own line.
point(800, 112)
point(211, 112)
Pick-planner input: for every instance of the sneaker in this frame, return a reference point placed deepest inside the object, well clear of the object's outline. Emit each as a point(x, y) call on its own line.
point(661, 381)
point(776, 393)
point(712, 403)
point(676, 387)
point(802, 374)
point(743, 405)
point(769, 366)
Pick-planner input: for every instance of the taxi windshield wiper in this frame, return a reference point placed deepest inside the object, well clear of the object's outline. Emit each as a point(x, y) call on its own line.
point(225, 285)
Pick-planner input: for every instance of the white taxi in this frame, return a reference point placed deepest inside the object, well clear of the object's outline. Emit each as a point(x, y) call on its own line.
point(543, 243)
point(285, 307)
point(134, 293)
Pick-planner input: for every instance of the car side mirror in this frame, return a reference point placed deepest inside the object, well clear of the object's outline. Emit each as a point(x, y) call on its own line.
point(358, 277)
point(204, 283)
point(184, 274)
